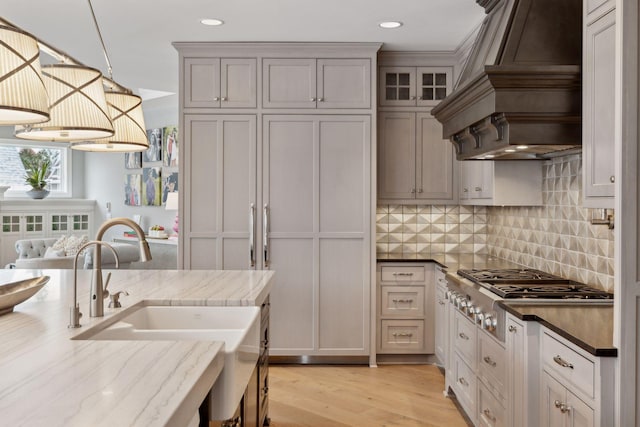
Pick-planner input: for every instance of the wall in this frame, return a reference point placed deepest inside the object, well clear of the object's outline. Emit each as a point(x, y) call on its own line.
point(558, 237)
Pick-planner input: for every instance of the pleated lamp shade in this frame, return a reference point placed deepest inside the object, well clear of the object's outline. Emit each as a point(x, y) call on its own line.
point(77, 106)
point(128, 123)
point(23, 96)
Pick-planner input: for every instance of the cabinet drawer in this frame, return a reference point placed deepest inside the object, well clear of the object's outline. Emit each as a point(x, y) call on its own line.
point(491, 413)
point(464, 338)
point(403, 336)
point(568, 364)
point(402, 274)
point(492, 363)
point(405, 301)
point(464, 385)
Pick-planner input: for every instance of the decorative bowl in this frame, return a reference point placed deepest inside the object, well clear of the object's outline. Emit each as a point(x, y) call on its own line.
point(12, 294)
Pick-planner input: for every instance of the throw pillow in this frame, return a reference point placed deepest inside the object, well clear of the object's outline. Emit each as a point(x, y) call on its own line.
point(53, 253)
point(59, 244)
point(73, 244)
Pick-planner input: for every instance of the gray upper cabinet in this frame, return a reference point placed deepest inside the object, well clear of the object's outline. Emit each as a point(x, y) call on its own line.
point(220, 83)
point(316, 83)
point(414, 86)
point(598, 124)
point(414, 162)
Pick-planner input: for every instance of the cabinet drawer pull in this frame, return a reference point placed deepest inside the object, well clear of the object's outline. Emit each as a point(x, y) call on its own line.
point(512, 328)
point(487, 413)
point(403, 274)
point(462, 381)
point(402, 334)
point(489, 362)
point(401, 301)
point(463, 336)
point(560, 361)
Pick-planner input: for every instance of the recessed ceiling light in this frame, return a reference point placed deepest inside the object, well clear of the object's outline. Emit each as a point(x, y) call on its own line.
point(211, 22)
point(522, 147)
point(390, 24)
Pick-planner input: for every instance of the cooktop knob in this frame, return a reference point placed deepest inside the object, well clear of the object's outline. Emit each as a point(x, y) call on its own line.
point(490, 323)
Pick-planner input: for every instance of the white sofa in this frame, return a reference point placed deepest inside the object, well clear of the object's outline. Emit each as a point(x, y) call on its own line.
point(31, 254)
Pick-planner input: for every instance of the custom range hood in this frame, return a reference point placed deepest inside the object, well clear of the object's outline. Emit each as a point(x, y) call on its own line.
point(519, 94)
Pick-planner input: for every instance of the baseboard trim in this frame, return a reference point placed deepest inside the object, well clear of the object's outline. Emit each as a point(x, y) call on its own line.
point(319, 360)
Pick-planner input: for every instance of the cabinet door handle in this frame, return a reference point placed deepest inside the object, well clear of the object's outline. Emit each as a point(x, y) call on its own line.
point(320, 99)
point(215, 98)
point(413, 190)
point(312, 99)
point(612, 179)
point(419, 190)
point(252, 237)
point(489, 361)
point(224, 98)
point(478, 188)
point(440, 302)
point(402, 334)
point(487, 413)
point(413, 97)
point(512, 328)
point(562, 406)
point(403, 274)
point(463, 336)
point(560, 361)
point(462, 381)
point(465, 190)
point(265, 235)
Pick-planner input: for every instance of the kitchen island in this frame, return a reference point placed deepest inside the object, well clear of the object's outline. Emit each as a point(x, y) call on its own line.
point(48, 379)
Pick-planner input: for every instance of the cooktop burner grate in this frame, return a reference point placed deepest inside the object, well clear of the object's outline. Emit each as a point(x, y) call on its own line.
point(511, 275)
point(570, 290)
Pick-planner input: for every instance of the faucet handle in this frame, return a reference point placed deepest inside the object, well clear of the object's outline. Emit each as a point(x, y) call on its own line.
point(105, 292)
point(115, 299)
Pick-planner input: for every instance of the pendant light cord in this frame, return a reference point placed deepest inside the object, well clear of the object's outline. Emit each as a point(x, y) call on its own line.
point(104, 48)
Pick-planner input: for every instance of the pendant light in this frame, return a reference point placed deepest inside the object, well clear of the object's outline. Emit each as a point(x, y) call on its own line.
point(128, 122)
point(77, 106)
point(23, 97)
point(125, 110)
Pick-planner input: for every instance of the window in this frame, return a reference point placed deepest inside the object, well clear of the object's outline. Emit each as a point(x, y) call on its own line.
point(12, 171)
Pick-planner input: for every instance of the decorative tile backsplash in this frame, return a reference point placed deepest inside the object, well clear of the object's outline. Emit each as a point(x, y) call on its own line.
point(557, 237)
point(411, 229)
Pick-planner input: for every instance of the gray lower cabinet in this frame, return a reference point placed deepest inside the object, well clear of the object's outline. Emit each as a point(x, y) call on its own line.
point(406, 315)
point(315, 191)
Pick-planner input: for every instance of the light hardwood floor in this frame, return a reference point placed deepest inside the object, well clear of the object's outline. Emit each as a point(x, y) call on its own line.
point(389, 395)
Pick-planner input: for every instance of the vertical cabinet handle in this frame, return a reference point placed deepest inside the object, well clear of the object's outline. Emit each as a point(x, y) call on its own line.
point(265, 235)
point(252, 237)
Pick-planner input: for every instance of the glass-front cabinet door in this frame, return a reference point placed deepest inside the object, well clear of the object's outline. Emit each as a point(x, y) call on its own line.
point(434, 84)
point(414, 86)
point(398, 86)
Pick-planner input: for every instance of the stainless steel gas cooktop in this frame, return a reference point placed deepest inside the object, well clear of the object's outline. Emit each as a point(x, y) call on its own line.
point(531, 283)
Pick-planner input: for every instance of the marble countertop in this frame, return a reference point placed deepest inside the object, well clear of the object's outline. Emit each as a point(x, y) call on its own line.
point(589, 326)
point(47, 379)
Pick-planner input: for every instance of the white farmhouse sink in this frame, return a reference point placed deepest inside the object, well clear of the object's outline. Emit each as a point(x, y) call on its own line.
point(238, 327)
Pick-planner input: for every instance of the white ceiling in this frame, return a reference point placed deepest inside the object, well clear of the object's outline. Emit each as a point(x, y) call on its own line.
point(138, 33)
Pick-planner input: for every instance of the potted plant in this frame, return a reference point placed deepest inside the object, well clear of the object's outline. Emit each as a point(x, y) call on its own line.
point(38, 168)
